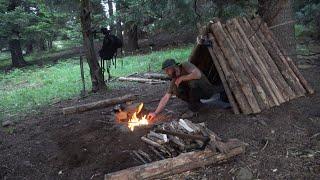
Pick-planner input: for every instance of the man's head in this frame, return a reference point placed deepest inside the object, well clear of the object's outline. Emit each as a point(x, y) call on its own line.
point(170, 67)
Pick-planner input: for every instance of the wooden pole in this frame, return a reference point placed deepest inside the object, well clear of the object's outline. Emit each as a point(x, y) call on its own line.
point(246, 61)
point(183, 162)
point(226, 87)
point(98, 104)
point(83, 92)
point(229, 77)
point(289, 60)
point(233, 59)
point(278, 58)
point(285, 89)
point(141, 80)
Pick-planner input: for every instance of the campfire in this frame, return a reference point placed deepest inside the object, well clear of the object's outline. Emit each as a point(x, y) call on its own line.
point(131, 115)
point(135, 121)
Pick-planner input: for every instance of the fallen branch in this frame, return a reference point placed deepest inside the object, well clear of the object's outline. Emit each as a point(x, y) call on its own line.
point(156, 76)
point(183, 162)
point(98, 104)
point(142, 80)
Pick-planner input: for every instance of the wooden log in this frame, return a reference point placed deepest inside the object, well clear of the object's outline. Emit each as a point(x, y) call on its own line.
point(266, 94)
point(183, 162)
point(139, 157)
point(278, 58)
point(272, 38)
point(98, 104)
point(233, 60)
point(285, 89)
point(276, 95)
point(226, 87)
point(141, 80)
point(156, 76)
point(230, 77)
point(178, 142)
point(246, 61)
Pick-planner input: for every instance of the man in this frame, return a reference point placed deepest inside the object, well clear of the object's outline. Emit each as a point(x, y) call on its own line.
point(188, 83)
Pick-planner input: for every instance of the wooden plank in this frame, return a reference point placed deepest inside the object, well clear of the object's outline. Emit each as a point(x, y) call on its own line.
point(246, 61)
point(230, 77)
point(98, 104)
point(233, 60)
point(285, 89)
point(183, 162)
point(278, 58)
point(294, 68)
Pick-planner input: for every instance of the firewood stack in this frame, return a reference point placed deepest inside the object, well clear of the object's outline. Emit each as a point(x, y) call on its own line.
point(178, 146)
point(255, 70)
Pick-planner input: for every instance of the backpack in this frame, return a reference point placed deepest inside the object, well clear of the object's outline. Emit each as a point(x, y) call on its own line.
point(109, 47)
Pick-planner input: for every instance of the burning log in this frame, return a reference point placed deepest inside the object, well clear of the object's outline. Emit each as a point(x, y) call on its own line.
point(98, 104)
point(141, 80)
point(183, 162)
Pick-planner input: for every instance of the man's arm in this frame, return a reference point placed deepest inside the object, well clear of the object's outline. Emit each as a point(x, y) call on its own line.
point(163, 102)
point(194, 73)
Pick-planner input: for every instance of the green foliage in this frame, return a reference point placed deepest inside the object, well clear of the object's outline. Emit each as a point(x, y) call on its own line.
point(24, 90)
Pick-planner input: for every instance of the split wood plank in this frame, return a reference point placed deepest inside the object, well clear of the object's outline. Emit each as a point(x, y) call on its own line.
point(233, 60)
point(98, 104)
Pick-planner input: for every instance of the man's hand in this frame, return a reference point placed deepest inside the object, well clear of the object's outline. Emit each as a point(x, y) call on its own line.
point(178, 81)
point(151, 116)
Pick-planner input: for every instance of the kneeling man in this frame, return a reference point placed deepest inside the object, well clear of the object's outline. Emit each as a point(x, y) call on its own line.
point(188, 83)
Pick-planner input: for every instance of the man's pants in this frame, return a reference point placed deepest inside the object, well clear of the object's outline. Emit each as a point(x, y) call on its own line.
point(194, 90)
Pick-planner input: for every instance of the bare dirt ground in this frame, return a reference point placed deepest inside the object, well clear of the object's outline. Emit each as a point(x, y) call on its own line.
point(283, 141)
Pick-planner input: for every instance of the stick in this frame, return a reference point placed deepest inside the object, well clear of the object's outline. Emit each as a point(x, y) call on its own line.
point(98, 104)
point(139, 157)
point(142, 80)
point(183, 162)
point(156, 76)
point(156, 152)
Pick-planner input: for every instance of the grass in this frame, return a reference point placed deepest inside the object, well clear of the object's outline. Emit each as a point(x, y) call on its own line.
point(24, 90)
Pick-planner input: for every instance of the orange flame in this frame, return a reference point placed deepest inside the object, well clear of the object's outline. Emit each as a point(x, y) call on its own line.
point(135, 121)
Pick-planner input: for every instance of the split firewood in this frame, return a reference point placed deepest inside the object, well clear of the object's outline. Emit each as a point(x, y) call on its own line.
point(139, 157)
point(98, 104)
point(185, 126)
point(156, 152)
point(183, 162)
point(155, 144)
point(178, 142)
point(141, 80)
point(162, 137)
point(184, 136)
point(145, 155)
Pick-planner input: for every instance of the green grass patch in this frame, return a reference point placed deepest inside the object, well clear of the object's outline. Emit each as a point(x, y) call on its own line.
point(24, 90)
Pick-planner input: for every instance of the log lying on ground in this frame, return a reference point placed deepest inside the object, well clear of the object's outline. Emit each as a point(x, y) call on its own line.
point(142, 80)
point(98, 104)
point(183, 162)
point(156, 76)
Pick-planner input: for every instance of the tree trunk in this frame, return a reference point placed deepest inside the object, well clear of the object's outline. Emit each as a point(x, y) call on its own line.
point(14, 42)
point(96, 74)
point(279, 13)
point(42, 44)
point(110, 11)
point(29, 47)
point(118, 25)
point(133, 37)
point(16, 53)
